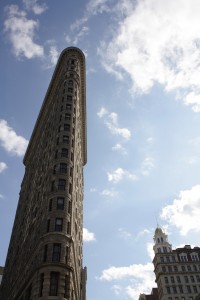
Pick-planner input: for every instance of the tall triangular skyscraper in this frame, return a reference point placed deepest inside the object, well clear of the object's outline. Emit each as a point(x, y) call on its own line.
point(44, 259)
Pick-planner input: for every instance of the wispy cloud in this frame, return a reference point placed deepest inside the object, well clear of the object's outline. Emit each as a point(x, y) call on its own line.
point(124, 234)
point(120, 174)
point(21, 33)
point(165, 51)
point(184, 212)
point(118, 147)
point(88, 236)
point(34, 6)
point(109, 193)
point(111, 121)
point(3, 166)
point(147, 165)
point(10, 141)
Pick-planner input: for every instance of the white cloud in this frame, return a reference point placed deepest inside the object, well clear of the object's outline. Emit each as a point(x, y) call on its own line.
point(21, 32)
point(157, 43)
point(184, 212)
point(120, 174)
point(150, 250)
point(117, 289)
point(80, 35)
point(54, 54)
point(34, 6)
point(88, 236)
point(103, 111)
point(111, 121)
point(147, 166)
point(3, 166)
point(140, 278)
point(120, 148)
point(1, 196)
point(124, 234)
point(93, 190)
point(109, 193)
point(143, 232)
point(10, 141)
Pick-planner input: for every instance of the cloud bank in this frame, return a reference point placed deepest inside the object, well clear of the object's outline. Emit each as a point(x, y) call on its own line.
point(157, 42)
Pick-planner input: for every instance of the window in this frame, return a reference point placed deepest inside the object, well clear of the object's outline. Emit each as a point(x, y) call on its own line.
point(166, 280)
point(172, 279)
point(194, 267)
point(45, 253)
point(181, 290)
point(53, 289)
point(56, 252)
point(67, 117)
point(163, 269)
point(66, 127)
point(183, 258)
point(60, 203)
point(186, 279)
point(169, 269)
point(194, 289)
point(57, 141)
point(61, 109)
point(174, 290)
point(198, 278)
point(61, 184)
point(168, 290)
point(63, 91)
point(70, 82)
point(68, 107)
point(53, 185)
point(64, 152)
point(175, 269)
point(41, 284)
point(63, 168)
point(195, 257)
point(162, 259)
point(58, 224)
point(192, 278)
point(48, 225)
point(173, 258)
point(167, 259)
point(164, 249)
point(182, 298)
point(66, 139)
point(50, 204)
point(188, 268)
point(183, 268)
point(178, 279)
point(188, 289)
point(69, 98)
point(70, 90)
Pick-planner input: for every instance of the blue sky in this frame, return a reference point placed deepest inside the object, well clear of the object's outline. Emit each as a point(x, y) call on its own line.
point(143, 124)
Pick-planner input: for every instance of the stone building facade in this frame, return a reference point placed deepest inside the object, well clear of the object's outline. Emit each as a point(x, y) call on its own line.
point(44, 259)
point(177, 271)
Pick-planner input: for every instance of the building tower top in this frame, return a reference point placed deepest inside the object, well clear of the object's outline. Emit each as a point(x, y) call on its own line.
point(161, 243)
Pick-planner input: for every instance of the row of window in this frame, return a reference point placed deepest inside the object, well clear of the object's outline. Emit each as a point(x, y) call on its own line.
point(59, 203)
point(60, 185)
point(183, 268)
point(164, 249)
point(193, 257)
point(167, 259)
point(54, 284)
point(60, 168)
point(56, 253)
point(173, 279)
point(181, 298)
point(179, 289)
point(58, 225)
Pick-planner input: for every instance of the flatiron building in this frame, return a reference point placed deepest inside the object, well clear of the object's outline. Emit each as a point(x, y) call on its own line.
point(44, 259)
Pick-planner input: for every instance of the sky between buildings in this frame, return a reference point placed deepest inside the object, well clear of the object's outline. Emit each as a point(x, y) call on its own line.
point(143, 124)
